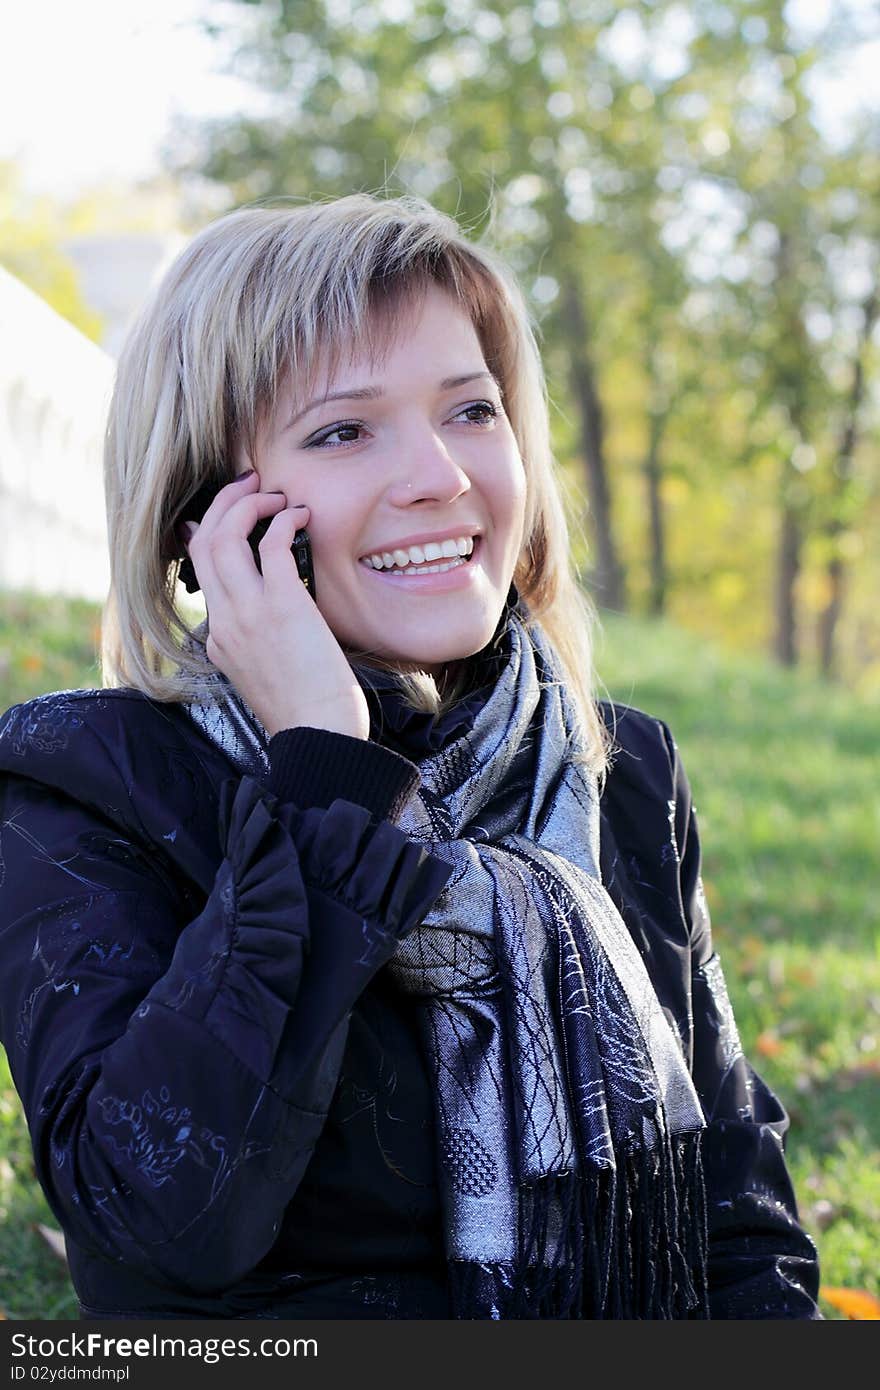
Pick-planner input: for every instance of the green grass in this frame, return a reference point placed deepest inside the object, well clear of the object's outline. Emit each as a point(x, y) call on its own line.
point(784, 772)
point(33, 1281)
point(46, 644)
point(785, 775)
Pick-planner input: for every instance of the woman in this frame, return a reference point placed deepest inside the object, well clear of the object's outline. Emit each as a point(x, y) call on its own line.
point(356, 960)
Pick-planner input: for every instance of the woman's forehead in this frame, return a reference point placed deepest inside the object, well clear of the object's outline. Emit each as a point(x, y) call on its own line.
point(366, 348)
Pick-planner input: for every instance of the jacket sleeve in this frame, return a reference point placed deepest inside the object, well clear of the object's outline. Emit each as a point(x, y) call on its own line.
point(176, 1071)
point(762, 1264)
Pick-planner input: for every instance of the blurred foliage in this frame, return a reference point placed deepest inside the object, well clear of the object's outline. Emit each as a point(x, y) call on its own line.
point(664, 166)
point(31, 232)
point(47, 643)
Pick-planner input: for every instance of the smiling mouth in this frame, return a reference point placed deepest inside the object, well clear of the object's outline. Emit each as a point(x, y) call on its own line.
point(432, 567)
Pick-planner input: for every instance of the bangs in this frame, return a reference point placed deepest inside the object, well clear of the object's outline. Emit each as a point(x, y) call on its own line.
point(360, 310)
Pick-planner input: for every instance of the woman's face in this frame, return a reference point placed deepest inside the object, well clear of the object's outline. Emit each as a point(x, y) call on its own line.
point(403, 457)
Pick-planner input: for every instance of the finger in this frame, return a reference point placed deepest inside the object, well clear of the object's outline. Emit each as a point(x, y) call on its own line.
point(227, 496)
point(220, 503)
point(222, 555)
point(276, 559)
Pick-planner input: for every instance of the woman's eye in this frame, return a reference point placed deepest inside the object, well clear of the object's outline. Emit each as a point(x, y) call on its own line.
point(487, 410)
point(350, 427)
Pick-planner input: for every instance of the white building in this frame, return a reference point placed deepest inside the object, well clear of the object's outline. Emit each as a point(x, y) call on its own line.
point(55, 389)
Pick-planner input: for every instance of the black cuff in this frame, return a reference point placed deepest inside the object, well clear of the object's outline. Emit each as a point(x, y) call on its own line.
point(314, 767)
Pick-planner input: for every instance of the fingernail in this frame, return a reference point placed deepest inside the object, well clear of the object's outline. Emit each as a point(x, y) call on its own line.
point(241, 477)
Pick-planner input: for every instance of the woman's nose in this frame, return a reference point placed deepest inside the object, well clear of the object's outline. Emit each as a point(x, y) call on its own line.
point(428, 471)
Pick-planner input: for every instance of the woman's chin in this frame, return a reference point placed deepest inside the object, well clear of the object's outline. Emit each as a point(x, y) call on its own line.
point(430, 643)
point(437, 659)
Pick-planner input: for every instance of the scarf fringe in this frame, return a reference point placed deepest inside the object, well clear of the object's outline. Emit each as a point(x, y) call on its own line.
point(631, 1244)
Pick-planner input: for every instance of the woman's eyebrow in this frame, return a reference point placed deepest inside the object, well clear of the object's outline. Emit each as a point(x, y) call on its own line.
point(373, 393)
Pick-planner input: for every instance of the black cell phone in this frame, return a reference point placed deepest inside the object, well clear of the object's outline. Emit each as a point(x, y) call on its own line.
point(301, 549)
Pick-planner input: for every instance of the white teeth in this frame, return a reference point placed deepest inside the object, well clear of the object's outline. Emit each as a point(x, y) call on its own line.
point(420, 554)
point(430, 569)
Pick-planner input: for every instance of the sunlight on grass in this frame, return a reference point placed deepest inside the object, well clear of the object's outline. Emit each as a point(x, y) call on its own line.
point(785, 774)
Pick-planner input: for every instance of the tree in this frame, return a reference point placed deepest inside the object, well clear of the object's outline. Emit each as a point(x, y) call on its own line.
point(657, 178)
point(30, 232)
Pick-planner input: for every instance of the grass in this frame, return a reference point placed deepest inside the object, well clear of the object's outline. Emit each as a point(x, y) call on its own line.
point(785, 775)
point(784, 772)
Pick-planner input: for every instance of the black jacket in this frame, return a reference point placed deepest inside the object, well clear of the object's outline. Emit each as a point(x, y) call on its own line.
point(228, 1105)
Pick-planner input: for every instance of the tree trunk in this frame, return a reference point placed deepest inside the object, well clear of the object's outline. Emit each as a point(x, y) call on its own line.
point(657, 547)
point(793, 387)
point(787, 571)
point(608, 577)
point(829, 617)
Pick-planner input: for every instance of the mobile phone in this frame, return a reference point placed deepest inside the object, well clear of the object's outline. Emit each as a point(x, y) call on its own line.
point(301, 549)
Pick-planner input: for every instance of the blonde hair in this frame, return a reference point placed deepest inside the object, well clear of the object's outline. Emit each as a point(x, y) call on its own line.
point(264, 293)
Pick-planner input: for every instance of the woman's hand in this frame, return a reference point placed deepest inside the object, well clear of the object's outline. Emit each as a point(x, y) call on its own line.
point(266, 633)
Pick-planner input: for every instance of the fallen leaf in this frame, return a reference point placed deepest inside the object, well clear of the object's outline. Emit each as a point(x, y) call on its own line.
point(855, 1303)
point(54, 1239)
point(767, 1044)
point(803, 975)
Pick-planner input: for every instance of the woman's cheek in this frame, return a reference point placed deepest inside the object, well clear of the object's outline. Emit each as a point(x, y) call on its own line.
point(339, 519)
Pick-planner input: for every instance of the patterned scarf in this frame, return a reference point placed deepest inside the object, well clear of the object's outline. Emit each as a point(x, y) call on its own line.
point(568, 1126)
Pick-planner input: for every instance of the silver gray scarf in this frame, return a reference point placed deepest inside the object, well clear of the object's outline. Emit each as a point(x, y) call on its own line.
point(550, 1051)
point(567, 1123)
